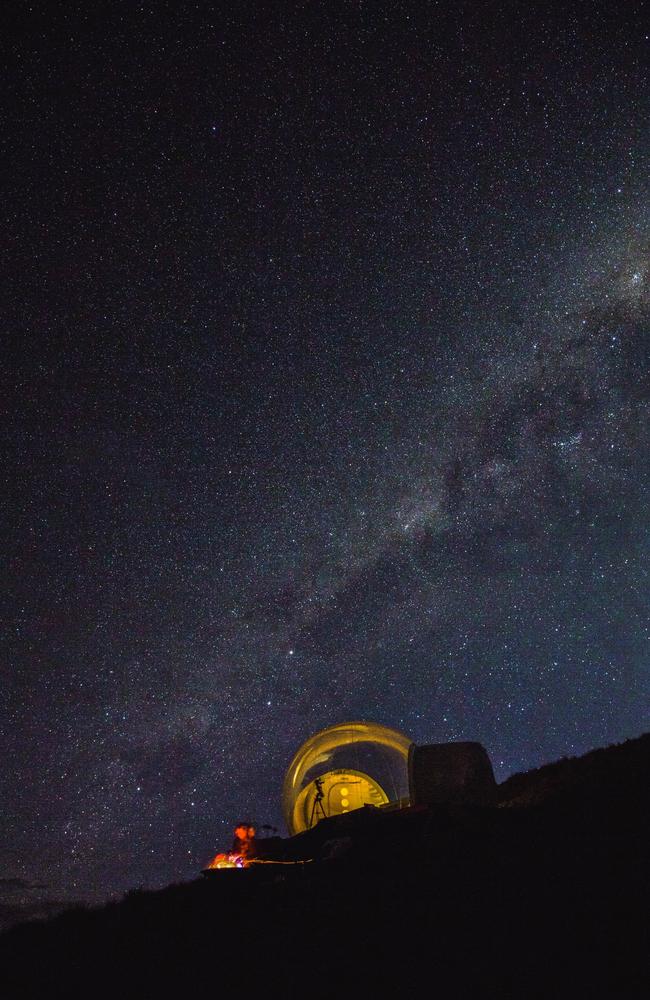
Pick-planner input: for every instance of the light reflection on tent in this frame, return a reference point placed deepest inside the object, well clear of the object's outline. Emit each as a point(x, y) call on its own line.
point(345, 767)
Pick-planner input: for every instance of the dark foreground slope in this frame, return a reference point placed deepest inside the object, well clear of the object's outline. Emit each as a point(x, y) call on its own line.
point(546, 895)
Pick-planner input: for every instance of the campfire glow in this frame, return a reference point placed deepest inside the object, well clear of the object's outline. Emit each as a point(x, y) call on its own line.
point(227, 861)
point(243, 849)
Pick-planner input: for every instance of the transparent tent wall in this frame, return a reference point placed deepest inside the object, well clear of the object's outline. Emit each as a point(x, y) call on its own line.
point(342, 768)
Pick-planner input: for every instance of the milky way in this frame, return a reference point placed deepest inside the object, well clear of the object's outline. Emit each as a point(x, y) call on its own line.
point(325, 397)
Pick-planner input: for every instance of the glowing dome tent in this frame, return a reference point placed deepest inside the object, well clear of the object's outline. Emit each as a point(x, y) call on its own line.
point(345, 767)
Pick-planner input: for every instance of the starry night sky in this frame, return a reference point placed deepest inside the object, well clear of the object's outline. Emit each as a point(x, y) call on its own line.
point(325, 384)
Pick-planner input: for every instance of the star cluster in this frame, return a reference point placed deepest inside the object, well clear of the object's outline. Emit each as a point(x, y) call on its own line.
point(326, 382)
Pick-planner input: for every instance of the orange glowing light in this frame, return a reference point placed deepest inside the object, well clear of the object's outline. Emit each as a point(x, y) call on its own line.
point(243, 849)
point(227, 861)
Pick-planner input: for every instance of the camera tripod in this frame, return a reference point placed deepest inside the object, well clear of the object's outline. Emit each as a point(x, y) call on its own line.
point(318, 806)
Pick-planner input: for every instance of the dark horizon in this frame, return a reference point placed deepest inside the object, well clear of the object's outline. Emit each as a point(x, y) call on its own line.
point(544, 885)
point(325, 389)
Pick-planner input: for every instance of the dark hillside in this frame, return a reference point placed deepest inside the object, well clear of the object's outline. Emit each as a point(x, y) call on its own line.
point(545, 895)
point(603, 771)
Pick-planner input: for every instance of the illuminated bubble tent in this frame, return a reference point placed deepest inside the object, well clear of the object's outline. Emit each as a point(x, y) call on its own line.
point(342, 768)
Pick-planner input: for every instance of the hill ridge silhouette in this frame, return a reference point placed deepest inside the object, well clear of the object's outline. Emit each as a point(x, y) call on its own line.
point(544, 894)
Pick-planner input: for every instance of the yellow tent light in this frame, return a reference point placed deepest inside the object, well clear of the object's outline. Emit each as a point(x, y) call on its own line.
point(342, 768)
